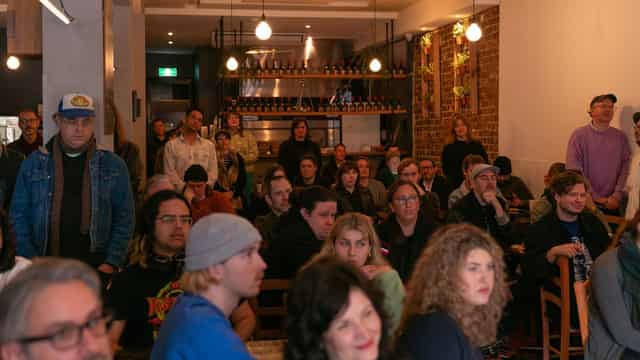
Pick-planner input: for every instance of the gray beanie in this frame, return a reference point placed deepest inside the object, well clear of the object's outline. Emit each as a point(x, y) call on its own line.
point(216, 238)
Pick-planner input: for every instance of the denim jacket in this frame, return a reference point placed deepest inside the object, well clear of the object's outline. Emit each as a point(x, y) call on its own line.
point(112, 213)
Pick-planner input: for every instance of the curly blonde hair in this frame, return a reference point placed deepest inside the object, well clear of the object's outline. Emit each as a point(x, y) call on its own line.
point(358, 222)
point(435, 282)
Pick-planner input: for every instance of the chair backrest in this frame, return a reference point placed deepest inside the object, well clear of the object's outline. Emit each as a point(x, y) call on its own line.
point(620, 225)
point(274, 292)
point(582, 290)
point(562, 302)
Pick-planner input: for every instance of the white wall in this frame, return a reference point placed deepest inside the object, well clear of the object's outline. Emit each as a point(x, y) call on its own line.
point(554, 57)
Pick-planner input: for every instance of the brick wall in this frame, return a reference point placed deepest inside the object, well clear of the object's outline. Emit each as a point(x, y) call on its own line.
point(431, 131)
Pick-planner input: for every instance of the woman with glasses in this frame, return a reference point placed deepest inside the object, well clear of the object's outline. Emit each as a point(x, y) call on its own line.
point(298, 145)
point(406, 230)
point(354, 240)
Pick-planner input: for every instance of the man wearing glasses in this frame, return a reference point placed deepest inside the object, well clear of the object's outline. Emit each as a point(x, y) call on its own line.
point(483, 207)
point(73, 199)
point(52, 310)
point(602, 154)
point(30, 139)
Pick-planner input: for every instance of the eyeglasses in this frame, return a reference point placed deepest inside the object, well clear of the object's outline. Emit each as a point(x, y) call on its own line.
point(173, 219)
point(71, 336)
point(486, 178)
point(406, 201)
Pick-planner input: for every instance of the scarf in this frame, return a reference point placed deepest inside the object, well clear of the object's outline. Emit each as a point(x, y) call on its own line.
point(85, 221)
point(629, 258)
point(228, 174)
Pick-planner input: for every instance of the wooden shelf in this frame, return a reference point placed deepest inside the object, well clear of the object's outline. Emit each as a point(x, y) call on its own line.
point(317, 113)
point(318, 76)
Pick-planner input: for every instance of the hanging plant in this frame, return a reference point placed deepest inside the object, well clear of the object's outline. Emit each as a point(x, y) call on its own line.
point(461, 58)
point(458, 29)
point(461, 91)
point(426, 69)
point(425, 40)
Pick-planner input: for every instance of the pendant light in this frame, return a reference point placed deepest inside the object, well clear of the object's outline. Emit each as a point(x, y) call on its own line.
point(263, 30)
point(374, 65)
point(13, 63)
point(232, 63)
point(473, 33)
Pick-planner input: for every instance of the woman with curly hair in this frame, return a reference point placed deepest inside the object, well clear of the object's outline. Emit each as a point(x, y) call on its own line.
point(455, 296)
point(334, 313)
point(354, 240)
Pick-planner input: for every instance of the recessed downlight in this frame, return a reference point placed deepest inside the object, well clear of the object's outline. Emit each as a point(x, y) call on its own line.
point(170, 42)
point(170, 33)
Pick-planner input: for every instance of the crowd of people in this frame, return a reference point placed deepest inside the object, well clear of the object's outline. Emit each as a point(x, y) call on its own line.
point(410, 260)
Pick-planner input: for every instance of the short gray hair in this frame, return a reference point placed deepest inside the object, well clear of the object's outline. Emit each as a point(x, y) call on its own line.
point(16, 298)
point(154, 180)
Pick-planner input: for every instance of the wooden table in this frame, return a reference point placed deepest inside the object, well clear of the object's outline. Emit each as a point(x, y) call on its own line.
point(267, 349)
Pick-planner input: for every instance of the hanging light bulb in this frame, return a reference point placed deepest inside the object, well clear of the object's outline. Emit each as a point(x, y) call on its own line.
point(263, 30)
point(375, 65)
point(473, 33)
point(13, 63)
point(232, 63)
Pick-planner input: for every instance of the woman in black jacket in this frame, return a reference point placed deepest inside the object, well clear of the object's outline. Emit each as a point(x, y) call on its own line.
point(461, 145)
point(405, 232)
point(352, 197)
point(299, 144)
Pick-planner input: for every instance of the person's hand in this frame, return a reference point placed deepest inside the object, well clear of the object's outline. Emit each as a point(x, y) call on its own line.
point(600, 200)
point(106, 268)
point(590, 203)
point(371, 271)
point(568, 250)
point(612, 203)
point(490, 197)
point(189, 194)
point(518, 248)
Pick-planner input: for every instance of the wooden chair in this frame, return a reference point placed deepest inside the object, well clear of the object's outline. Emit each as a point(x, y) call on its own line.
point(582, 290)
point(621, 225)
point(278, 288)
point(563, 303)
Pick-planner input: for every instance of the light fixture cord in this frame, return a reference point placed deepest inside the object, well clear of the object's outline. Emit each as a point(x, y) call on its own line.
point(263, 8)
point(65, 10)
point(374, 21)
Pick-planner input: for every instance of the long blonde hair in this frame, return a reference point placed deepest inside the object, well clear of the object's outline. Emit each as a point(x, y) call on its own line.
point(435, 283)
point(358, 222)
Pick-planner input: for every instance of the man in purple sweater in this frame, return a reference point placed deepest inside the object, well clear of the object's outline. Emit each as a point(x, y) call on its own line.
point(602, 153)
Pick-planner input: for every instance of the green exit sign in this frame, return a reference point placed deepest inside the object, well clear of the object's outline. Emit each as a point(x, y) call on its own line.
point(167, 71)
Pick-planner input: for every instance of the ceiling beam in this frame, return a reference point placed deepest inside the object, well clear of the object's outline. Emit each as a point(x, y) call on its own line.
point(306, 14)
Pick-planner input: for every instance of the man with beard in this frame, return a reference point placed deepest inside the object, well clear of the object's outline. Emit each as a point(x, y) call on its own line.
point(483, 207)
point(73, 199)
point(30, 139)
point(276, 193)
point(633, 182)
point(188, 149)
point(52, 310)
point(145, 290)
point(222, 266)
point(568, 231)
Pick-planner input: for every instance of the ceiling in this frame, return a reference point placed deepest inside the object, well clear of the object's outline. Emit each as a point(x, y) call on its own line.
point(194, 21)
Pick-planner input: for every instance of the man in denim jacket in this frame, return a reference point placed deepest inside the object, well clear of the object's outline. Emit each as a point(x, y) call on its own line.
point(71, 198)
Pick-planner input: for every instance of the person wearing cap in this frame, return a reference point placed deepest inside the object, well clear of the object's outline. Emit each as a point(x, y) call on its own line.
point(633, 181)
point(482, 206)
point(568, 231)
point(511, 186)
point(602, 154)
point(222, 266)
point(189, 148)
point(30, 139)
point(468, 163)
point(203, 199)
point(72, 198)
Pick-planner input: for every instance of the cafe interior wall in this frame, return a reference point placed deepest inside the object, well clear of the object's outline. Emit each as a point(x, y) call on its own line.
point(554, 57)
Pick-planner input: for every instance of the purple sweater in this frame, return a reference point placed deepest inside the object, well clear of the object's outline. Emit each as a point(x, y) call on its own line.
point(603, 157)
